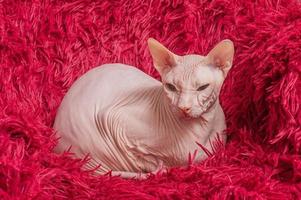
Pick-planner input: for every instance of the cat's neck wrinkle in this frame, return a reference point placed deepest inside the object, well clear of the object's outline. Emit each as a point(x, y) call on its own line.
point(169, 128)
point(166, 121)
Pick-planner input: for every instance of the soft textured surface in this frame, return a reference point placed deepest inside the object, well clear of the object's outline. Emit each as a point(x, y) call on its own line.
point(45, 45)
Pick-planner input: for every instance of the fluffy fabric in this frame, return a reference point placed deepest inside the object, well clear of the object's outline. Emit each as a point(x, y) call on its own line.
point(45, 45)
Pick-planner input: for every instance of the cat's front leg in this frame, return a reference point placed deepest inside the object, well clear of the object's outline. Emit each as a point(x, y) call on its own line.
point(160, 169)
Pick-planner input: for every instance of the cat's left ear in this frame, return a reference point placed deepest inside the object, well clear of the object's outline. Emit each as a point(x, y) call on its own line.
point(163, 59)
point(222, 56)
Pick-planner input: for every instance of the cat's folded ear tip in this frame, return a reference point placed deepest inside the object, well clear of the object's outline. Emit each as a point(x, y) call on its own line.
point(228, 41)
point(151, 40)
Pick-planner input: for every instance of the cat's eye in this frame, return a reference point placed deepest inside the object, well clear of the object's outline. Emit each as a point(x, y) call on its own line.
point(171, 87)
point(203, 87)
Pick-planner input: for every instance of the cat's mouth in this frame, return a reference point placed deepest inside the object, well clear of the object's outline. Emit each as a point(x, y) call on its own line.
point(204, 109)
point(185, 115)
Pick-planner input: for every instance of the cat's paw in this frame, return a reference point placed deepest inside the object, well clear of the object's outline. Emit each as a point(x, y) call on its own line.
point(161, 169)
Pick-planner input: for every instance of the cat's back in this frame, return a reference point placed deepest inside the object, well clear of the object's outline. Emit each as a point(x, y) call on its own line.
point(96, 91)
point(106, 83)
point(112, 77)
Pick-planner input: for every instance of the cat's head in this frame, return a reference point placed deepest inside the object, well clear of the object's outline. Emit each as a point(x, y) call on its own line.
point(192, 83)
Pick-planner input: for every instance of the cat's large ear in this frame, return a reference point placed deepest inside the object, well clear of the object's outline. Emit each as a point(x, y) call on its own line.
point(222, 55)
point(163, 59)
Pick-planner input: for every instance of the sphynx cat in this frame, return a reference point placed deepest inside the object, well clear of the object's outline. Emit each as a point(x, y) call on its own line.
point(131, 124)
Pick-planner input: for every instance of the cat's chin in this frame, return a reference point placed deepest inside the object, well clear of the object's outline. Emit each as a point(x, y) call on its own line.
point(186, 117)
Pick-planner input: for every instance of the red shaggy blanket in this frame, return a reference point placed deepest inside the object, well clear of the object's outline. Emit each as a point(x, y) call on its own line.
point(45, 45)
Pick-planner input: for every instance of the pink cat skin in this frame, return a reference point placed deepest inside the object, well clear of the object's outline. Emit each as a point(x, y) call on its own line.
point(131, 124)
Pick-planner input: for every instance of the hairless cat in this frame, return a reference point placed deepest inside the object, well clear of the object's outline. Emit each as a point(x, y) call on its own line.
point(132, 124)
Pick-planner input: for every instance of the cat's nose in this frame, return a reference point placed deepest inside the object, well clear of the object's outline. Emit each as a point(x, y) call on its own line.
point(185, 109)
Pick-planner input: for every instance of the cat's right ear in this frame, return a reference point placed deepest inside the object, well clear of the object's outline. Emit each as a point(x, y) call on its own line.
point(163, 59)
point(222, 56)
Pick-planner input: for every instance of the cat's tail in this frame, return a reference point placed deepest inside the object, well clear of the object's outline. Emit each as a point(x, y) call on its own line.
point(99, 170)
point(131, 175)
point(138, 175)
point(123, 174)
